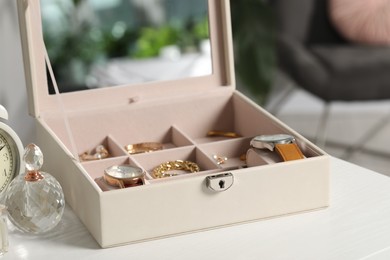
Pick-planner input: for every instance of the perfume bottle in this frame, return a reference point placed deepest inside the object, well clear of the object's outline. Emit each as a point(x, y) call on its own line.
point(35, 200)
point(3, 230)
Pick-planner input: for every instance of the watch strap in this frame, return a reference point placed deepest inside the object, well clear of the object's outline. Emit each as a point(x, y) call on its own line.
point(289, 152)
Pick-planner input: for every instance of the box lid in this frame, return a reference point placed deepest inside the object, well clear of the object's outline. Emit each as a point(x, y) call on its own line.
point(40, 101)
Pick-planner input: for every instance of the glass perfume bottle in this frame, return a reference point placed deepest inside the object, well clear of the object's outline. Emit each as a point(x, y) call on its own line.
point(3, 230)
point(35, 200)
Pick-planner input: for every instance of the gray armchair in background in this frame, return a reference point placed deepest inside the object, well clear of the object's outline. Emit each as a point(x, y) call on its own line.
point(318, 59)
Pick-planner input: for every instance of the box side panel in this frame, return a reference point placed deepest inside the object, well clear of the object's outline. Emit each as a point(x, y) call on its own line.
point(188, 205)
point(24, 34)
point(222, 39)
point(83, 198)
point(262, 122)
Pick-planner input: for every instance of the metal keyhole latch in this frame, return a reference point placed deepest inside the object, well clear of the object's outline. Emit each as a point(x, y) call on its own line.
point(220, 182)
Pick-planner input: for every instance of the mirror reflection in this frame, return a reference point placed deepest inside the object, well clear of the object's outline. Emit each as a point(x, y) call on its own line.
point(94, 43)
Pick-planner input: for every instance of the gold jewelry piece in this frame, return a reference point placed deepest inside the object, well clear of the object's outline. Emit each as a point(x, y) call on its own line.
point(143, 147)
point(161, 171)
point(100, 153)
point(223, 134)
point(220, 159)
point(124, 176)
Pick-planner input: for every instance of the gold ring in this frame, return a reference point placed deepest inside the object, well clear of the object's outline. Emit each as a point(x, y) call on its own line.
point(223, 134)
point(161, 171)
point(143, 147)
point(124, 176)
point(100, 153)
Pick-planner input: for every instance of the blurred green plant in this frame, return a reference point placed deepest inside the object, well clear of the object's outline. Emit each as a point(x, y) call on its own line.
point(89, 43)
point(186, 36)
point(254, 45)
point(151, 40)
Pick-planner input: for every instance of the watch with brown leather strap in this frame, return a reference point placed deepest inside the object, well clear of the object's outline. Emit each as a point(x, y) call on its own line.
point(284, 145)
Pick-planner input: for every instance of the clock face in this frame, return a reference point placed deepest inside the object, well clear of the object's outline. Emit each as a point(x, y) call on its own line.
point(9, 159)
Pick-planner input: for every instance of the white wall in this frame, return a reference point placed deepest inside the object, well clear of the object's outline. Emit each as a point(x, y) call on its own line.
point(13, 95)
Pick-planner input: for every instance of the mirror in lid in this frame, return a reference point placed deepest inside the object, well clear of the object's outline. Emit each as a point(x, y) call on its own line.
point(94, 44)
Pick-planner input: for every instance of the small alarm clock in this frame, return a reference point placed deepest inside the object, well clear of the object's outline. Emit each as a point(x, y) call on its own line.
point(11, 152)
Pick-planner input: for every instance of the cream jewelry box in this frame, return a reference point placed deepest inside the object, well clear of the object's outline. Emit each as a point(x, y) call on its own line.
point(178, 113)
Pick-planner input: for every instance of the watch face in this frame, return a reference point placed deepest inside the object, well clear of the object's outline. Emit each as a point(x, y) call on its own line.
point(279, 138)
point(269, 141)
point(9, 159)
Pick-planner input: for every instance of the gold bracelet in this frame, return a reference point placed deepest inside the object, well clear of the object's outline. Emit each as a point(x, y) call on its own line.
point(223, 134)
point(161, 170)
point(143, 147)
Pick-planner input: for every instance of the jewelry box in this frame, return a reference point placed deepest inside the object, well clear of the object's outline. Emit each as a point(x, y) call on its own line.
point(197, 121)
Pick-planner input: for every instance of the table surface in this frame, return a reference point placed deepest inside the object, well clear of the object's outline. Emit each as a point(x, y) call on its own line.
point(355, 226)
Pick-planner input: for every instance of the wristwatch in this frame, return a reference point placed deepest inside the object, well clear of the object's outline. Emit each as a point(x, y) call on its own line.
point(284, 145)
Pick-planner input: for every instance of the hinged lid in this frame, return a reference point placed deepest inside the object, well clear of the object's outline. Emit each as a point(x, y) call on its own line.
point(36, 73)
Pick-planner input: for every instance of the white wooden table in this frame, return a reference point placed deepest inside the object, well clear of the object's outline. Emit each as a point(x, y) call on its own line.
point(356, 226)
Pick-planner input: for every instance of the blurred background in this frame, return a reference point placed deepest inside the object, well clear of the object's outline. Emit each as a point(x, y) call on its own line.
point(330, 89)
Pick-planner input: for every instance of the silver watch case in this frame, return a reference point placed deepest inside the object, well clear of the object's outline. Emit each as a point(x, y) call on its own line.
point(269, 141)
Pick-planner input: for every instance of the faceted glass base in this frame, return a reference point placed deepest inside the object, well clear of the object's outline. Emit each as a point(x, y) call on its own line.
point(35, 206)
point(3, 230)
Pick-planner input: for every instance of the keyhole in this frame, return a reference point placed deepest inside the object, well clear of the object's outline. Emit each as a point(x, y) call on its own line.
point(221, 184)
